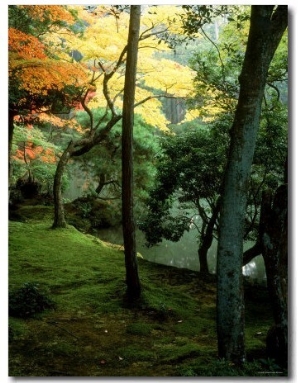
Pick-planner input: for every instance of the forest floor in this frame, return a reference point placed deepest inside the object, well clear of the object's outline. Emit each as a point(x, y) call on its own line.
point(93, 331)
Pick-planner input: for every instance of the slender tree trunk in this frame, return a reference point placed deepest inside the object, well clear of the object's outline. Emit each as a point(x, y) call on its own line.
point(266, 30)
point(10, 130)
point(202, 255)
point(10, 138)
point(131, 265)
point(206, 241)
point(59, 215)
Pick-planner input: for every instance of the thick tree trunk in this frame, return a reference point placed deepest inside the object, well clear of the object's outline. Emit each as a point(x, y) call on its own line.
point(266, 29)
point(59, 215)
point(275, 252)
point(131, 265)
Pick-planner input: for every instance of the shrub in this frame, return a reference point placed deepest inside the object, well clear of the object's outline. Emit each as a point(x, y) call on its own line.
point(28, 301)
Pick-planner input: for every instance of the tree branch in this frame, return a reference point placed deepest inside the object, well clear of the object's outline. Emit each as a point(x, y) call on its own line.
point(87, 109)
point(251, 253)
point(157, 96)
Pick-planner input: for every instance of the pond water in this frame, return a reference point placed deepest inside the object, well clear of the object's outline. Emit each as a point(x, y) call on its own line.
point(182, 254)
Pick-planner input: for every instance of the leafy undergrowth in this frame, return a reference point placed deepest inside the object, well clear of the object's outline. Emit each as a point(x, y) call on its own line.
point(92, 331)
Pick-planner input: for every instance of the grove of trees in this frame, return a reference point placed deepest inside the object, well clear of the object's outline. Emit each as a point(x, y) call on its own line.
point(177, 118)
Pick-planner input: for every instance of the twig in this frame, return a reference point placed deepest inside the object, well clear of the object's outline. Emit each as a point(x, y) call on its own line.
point(56, 325)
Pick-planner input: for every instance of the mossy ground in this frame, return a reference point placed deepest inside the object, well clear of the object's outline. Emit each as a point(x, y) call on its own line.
point(94, 332)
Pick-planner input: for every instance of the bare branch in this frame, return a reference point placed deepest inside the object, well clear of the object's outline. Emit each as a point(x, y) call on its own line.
point(87, 109)
point(219, 54)
point(156, 96)
point(145, 36)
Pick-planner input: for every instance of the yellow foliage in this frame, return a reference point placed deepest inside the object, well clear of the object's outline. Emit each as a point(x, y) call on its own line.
point(104, 38)
point(165, 16)
point(103, 42)
point(151, 109)
point(169, 76)
point(102, 45)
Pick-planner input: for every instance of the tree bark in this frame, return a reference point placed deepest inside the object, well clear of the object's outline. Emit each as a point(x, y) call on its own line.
point(59, 215)
point(11, 115)
point(266, 29)
point(275, 253)
point(206, 241)
point(131, 265)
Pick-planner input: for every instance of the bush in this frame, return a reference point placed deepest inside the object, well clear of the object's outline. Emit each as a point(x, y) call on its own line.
point(28, 188)
point(28, 301)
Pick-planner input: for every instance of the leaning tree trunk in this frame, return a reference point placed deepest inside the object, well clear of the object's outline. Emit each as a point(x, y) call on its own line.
point(132, 276)
point(266, 29)
point(207, 239)
point(59, 215)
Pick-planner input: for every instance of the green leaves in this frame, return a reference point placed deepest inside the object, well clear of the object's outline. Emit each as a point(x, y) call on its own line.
point(188, 174)
point(28, 301)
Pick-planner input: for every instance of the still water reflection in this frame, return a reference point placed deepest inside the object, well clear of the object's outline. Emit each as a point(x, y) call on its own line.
point(182, 254)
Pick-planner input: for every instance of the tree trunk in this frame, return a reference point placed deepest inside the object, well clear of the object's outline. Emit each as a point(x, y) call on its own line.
point(11, 116)
point(59, 215)
point(275, 253)
point(131, 265)
point(206, 241)
point(10, 130)
point(202, 255)
point(266, 29)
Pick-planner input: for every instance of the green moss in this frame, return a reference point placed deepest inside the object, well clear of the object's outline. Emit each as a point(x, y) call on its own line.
point(139, 328)
point(134, 353)
point(171, 354)
point(93, 332)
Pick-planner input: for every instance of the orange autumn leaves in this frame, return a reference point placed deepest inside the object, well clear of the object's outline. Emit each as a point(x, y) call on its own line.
point(42, 66)
point(33, 64)
point(34, 71)
point(29, 151)
point(51, 13)
point(31, 146)
point(22, 46)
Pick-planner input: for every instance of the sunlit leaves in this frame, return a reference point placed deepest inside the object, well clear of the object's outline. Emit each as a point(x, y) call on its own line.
point(53, 13)
point(165, 18)
point(34, 70)
point(24, 46)
point(38, 76)
point(33, 154)
point(151, 110)
point(102, 47)
point(164, 75)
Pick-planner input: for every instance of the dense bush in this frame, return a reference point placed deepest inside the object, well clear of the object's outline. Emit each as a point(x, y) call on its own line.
point(28, 301)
